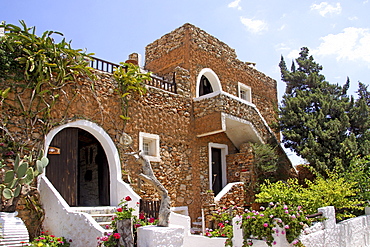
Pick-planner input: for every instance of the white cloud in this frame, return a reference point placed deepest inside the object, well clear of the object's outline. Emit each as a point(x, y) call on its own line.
point(235, 4)
point(282, 27)
point(254, 26)
point(353, 18)
point(325, 8)
point(352, 44)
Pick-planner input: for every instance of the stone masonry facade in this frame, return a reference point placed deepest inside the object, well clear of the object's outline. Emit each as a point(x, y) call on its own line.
point(186, 127)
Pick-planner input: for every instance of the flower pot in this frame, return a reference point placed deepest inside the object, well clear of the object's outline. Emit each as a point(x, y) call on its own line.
point(13, 231)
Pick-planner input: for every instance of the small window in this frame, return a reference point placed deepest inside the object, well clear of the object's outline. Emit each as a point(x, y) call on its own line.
point(245, 92)
point(149, 145)
point(205, 86)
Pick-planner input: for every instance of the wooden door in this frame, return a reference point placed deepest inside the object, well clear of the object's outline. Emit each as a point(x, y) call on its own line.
point(216, 170)
point(62, 169)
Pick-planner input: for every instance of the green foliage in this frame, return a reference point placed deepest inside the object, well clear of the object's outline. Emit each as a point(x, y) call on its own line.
point(45, 240)
point(24, 56)
point(265, 161)
point(16, 175)
point(318, 120)
point(131, 81)
point(223, 220)
point(332, 191)
point(358, 173)
point(264, 223)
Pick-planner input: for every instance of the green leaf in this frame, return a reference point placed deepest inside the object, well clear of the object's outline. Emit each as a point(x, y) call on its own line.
point(8, 194)
point(17, 190)
point(9, 176)
point(44, 161)
point(16, 162)
point(22, 170)
point(124, 118)
point(29, 176)
point(39, 166)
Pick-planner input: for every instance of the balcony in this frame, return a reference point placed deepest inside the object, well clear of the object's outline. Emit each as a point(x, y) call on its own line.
point(240, 120)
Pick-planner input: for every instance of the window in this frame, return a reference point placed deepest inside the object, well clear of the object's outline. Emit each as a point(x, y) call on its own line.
point(205, 86)
point(149, 145)
point(245, 92)
point(207, 82)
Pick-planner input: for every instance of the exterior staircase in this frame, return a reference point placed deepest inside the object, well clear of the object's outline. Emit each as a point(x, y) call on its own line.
point(102, 215)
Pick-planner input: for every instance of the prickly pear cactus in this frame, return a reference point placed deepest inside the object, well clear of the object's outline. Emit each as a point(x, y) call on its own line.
point(16, 176)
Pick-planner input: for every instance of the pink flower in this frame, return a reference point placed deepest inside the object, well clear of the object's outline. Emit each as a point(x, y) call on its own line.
point(127, 198)
point(250, 243)
point(262, 215)
point(105, 238)
point(295, 241)
point(151, 220)
point(286, 211)
point(208, 234)
point(286, 226)
point(106, 226)
point(274, 243)
point(285, 207)
point(265, 225)
point(283, 232)
point(116, 235)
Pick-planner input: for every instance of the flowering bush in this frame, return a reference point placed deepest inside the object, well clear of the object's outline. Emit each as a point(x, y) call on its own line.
point(223, 224)
point(262, 224)
point(123, 212)
point(109, 240)
point(46, 240)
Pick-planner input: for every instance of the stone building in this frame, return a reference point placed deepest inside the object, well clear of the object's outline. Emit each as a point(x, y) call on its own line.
point(198, 137)
point(202, 109)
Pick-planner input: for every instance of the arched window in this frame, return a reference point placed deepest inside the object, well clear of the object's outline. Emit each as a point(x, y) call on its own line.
point(205, 86)
point(207, 82)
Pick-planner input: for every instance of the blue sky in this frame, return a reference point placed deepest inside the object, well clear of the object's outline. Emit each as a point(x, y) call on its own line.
point(336, 32)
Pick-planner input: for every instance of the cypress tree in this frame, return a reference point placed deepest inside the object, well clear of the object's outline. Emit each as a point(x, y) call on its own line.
point(318, 120)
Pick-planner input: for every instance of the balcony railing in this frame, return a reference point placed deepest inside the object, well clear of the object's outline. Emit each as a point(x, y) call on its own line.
point(102, 65)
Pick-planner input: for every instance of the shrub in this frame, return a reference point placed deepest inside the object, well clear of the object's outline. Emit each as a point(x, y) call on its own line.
point(263, 224)
point(332, 191)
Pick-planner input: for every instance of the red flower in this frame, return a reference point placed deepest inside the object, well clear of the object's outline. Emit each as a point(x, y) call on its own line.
point(116, 235)
point(52, 236)
point(42, 232)
point(127, 198)
point(119, 209)
point(137, 225)
point(221, 225)
point(151, 220)
point(141, 216)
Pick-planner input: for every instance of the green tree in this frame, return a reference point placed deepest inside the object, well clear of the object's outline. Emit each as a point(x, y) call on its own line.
point(318, 120)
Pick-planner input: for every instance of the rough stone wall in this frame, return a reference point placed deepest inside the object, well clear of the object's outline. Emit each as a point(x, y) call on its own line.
point(194, 49)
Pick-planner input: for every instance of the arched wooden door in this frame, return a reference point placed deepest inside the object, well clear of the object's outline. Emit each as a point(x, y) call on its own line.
point(80, 171)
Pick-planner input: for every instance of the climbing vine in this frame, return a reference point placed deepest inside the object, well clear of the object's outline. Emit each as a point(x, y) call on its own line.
point(131, 81)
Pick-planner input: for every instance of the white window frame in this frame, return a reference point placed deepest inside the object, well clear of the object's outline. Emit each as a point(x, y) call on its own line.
point(153, 144)
point(224, 152)
point(247, 90)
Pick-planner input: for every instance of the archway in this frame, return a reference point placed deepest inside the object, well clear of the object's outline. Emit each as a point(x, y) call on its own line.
point(79, 168)
point(110, 150)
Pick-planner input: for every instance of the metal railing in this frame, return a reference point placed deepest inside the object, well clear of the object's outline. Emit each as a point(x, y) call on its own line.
point(102, 65)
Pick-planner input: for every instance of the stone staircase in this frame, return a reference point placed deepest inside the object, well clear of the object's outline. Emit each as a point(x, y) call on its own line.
point(102, 215)
point(196, 227)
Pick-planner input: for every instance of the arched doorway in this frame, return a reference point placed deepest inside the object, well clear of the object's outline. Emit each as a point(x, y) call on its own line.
point(79, 170)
